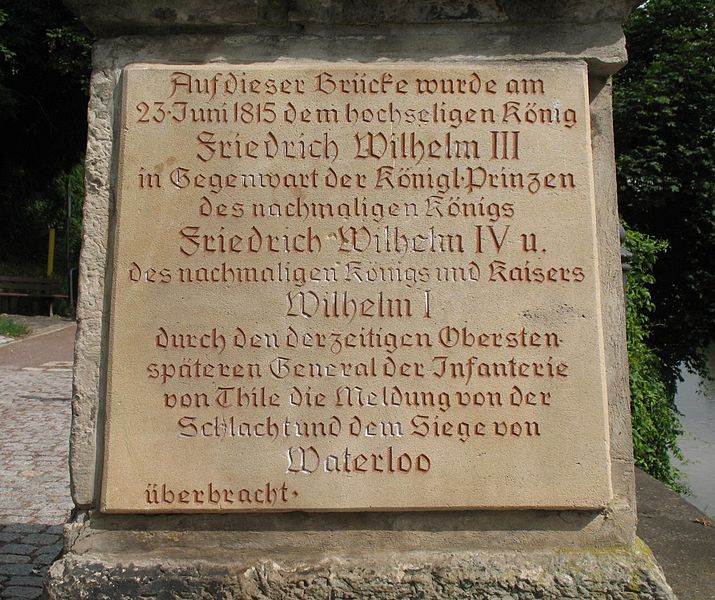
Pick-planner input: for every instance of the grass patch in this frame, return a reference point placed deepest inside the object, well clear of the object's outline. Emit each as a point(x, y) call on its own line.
point(10, 328)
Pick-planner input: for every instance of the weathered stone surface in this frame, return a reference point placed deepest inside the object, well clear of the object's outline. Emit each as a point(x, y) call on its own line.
point(615, 574)
point(294, 533)
point(105, 16)
point(89, 381)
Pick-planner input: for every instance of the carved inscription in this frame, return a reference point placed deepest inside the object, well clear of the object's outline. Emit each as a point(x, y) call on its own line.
point(355, 287)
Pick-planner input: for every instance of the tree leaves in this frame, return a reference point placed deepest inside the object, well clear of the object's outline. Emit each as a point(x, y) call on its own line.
point(664, 110)
point(656, 425)
point(44, 69)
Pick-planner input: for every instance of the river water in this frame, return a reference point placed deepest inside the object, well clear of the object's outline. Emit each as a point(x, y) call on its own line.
point(696, 400)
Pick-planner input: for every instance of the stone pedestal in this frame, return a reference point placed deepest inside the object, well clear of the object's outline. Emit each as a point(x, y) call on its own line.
point(613, 573)
point(160, 512)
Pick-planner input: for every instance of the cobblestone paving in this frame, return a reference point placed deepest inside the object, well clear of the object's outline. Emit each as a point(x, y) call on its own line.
point(34, 480)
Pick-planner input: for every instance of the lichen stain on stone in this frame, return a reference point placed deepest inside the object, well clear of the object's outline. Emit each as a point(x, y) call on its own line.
point(517, 10)
point(166, 15)
point(451, 11)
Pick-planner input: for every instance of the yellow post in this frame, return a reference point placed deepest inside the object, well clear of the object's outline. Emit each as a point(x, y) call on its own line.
point(51, 253)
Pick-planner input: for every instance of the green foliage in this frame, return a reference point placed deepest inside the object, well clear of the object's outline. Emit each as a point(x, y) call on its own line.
point(71, 52)
point(44, 69)
point(6, 55)
point(656, 425)
point(664, 110)
point(71, 182)
point(10, 328)
point(7, 63)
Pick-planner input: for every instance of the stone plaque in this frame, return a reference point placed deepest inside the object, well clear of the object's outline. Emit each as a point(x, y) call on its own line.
point(344, 286)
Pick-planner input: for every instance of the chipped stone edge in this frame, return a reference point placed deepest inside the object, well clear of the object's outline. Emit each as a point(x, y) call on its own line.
point(612, 573)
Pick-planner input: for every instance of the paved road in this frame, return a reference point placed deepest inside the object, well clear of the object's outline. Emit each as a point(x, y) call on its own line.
point(35, 390)
point(681, 537)
point(54, 344)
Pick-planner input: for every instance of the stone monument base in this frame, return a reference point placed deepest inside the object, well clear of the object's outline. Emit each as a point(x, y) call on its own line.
point(388, 109)
point(129, 565)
